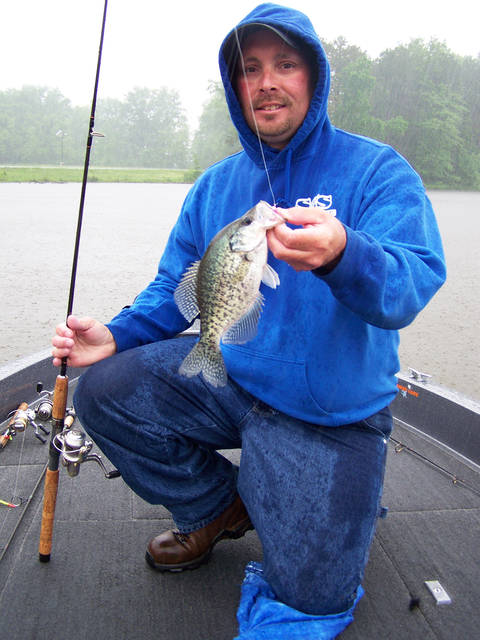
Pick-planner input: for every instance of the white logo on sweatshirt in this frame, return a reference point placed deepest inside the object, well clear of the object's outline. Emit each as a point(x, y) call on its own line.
point(320, 201)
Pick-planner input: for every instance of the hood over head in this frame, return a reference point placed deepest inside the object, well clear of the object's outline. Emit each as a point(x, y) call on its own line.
point(297, 31)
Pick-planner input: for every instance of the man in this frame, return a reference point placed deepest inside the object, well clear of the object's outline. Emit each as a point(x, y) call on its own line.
point(307, 399)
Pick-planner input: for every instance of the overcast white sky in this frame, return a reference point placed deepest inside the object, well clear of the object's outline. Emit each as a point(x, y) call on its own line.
point(154, 43)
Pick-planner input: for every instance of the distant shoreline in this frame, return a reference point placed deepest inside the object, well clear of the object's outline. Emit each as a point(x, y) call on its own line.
point(63, 174)
point(96, 174)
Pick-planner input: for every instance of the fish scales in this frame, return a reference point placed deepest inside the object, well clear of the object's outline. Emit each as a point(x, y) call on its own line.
point(223, 288)
point(234, 291)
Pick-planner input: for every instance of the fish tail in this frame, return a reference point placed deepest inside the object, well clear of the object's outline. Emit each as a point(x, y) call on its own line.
point(205, 358)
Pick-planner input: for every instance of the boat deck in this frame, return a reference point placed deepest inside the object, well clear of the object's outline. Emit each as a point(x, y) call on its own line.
point(98, 585)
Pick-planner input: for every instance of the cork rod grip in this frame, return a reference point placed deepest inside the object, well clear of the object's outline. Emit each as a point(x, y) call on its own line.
point(23, 406)
point(48, 514)
point(60, 398)
point(52, 474)
point(6, 435)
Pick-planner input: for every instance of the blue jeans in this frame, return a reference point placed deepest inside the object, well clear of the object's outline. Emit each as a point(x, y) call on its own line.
point(312, 492)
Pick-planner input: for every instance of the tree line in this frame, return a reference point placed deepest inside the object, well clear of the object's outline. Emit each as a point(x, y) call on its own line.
point(420, 97)
point(148, 128)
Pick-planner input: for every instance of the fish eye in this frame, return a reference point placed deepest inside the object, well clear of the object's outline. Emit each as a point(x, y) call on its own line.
point(247, 221)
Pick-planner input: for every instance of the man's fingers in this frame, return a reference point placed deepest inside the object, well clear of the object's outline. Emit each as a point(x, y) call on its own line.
point(61, 342)
point(317, 239)
point(303, 239)
point(58, 352)
point(299, 259)
point(80, 324)
point(63, 330)
point(305, 215)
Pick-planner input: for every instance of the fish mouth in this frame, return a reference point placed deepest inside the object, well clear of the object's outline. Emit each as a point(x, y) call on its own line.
point(270, 215)
point(262, 217)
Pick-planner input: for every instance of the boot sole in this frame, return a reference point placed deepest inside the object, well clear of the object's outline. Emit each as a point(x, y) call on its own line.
point(197, 562)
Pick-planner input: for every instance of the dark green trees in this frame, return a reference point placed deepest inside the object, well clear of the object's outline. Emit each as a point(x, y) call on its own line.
point(420, 97)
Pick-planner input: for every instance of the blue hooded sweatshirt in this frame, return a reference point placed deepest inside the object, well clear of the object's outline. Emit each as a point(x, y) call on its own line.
point(326, 348)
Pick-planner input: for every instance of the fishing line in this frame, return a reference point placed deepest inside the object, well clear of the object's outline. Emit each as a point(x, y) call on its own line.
point(14, 493)
point(344, 322)
point(26, 502)
point(399, 447)
point(253, 116)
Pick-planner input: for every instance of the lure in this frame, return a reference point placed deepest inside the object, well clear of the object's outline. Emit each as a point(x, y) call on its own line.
point(5, 438)
point(9, 504)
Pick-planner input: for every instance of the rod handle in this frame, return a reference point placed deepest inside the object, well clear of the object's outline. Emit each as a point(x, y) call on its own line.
point(23, 406)
point(69, 420)
point(52, 474)
point(60, 395)
point(5, 437)
point(48, 515)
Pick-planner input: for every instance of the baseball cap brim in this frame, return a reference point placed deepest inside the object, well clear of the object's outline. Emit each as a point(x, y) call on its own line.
point(239, 34)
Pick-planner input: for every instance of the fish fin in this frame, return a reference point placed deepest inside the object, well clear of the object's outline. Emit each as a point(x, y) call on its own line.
point(245, 329)
point(185, 294)
point(206, 359)
point(270, 276)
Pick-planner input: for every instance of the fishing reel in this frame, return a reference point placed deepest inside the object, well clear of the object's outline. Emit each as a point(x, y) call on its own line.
point(23, 417)
point(45, 407)
point(71, 443)
point(74, 449)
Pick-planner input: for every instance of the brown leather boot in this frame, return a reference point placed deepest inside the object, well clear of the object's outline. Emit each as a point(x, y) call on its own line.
point(175, 551)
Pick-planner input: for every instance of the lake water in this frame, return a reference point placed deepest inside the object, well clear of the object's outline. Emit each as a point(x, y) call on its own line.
point(125, 229)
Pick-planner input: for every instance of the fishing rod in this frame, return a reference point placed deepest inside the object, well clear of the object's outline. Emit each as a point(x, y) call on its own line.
point(59, 408)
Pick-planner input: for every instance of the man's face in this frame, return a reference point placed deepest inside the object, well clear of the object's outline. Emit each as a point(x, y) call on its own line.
point(277, 81)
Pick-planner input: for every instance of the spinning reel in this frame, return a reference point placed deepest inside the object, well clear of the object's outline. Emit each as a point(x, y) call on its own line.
point(71, 443)
point(21, 418)
point(74, 448)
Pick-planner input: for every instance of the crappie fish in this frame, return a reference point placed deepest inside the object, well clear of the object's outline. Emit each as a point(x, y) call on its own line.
point(223, 287)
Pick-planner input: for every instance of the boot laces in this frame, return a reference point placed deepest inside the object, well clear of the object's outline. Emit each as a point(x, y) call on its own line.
point(181, 537)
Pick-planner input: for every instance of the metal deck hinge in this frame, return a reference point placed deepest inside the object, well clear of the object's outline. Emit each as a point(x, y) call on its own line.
point(419, 375)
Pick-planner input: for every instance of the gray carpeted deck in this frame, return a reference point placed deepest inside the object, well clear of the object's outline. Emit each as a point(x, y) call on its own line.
point(97, 584)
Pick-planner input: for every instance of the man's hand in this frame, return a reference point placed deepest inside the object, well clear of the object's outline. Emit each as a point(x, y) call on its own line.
point(83, 342)
point(319, 241)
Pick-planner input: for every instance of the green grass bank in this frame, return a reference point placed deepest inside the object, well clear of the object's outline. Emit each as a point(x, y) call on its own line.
point(75, 174)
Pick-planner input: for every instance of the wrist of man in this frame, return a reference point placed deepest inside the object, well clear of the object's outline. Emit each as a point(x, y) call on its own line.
point(327, 268)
